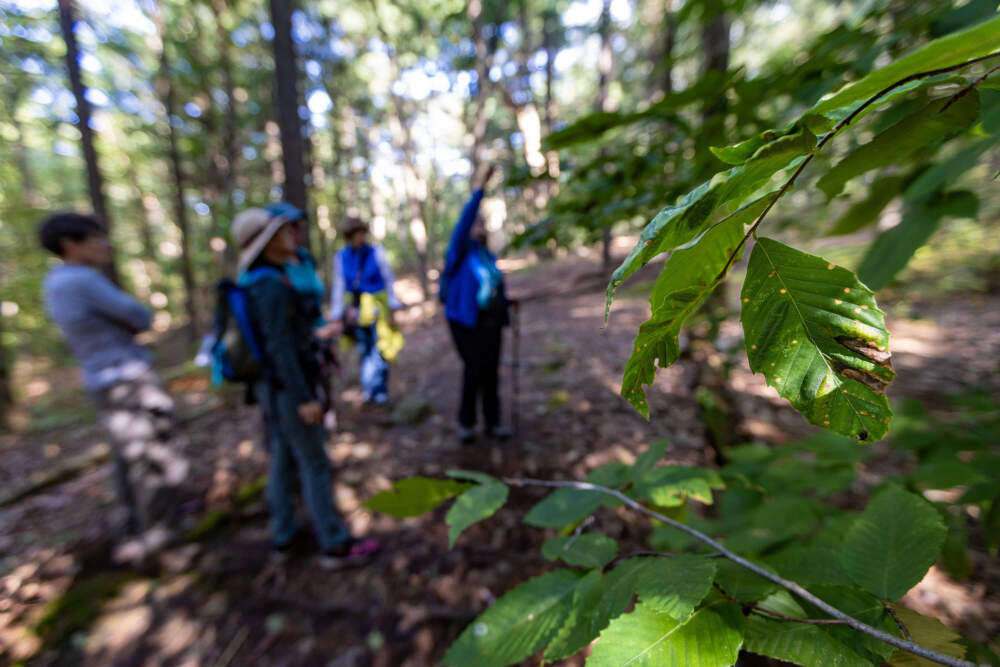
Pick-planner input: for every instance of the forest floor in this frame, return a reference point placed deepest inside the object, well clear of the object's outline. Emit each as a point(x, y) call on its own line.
point(221, 601)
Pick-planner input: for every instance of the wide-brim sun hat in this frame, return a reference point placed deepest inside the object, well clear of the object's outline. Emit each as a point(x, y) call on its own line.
point(252, 230)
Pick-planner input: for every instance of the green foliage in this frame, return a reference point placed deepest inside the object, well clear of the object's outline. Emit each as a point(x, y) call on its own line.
point(938, 121)
point(598, 599)
point(587, 550)
point(797, 643)
point(414, 496)
point(818, 337)
point(674, 586)
point(518, 624)
point(671, 486)
point(710, 638)
point(928, 632)
point(866, 212)
point(476, 504)
point(688, 278)
point(893, 543)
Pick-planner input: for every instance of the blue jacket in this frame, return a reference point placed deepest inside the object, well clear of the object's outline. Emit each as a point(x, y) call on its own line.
point(461, 261)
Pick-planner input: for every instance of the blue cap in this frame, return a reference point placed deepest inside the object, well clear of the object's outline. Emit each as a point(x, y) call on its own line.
point(285, 211)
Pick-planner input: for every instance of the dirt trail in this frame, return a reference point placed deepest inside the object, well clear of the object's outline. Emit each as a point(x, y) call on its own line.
point(220, 602)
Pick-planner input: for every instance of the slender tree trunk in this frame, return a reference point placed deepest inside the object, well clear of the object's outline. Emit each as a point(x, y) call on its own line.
point(287, 75)
point(415, 187)
point(6, 395)
point(605, 65)
point(484, 55)
point(666, 59)
point(550, 21)
point(28, 187)
point(165, 89)
point(95, 182)
point(220, 11)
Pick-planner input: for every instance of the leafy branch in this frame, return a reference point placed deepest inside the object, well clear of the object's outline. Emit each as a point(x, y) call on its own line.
point(847, 121)
point(791, 586)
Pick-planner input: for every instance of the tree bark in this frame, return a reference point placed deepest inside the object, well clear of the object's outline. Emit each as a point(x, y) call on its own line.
point(484, 56)
point(605, 65)
point(219, 11)
point(6, 395)
point(287, 75)
point(95, 182)
point(165, 89)
point(666, 59)
point(549, 21)
point(415, 187)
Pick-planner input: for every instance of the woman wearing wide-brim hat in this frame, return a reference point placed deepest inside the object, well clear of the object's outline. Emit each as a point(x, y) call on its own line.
point(287, 393)
point(364, 299)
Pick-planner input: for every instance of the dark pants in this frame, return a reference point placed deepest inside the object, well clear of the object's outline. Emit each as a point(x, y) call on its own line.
point(480, 352)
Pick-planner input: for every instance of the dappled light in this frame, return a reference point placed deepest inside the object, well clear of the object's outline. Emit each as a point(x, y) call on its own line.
point(596, 332)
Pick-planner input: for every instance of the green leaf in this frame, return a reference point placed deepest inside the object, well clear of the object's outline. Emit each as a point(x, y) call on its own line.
point(686, 280)
point(946, 171)
point(929, 633)
point(649, 458)
point(564, 507)
point(474, 475)
point(892, 250)
point(677, 225)
point(893, 543)
point(587, 550)
point(674, 586)
point(862, 606)
point(775, 522)
point(742, 584)
point(991, 527)
point(596, 601)
point(867, 211)
point(613, 475)
point(671, 486)
point(415, 495)
point(956, 48)
point(818, 337)
point(476, 504)
point(931, 124)
point(798, 643)
point(954, 552)
point(517, 624)
point(711, 638)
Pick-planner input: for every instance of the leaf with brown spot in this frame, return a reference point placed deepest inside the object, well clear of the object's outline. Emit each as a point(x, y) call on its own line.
point(819, 338)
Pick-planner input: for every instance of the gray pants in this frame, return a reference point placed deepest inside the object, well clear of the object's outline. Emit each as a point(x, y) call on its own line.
point(149, 467)
point(295, 447)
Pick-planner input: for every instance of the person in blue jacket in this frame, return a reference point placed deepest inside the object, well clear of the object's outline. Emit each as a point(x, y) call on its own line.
point(476, 303)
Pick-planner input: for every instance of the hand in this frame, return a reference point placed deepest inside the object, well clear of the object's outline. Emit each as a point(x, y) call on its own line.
point(328, 330)
point(310, 413)
point(490, 169)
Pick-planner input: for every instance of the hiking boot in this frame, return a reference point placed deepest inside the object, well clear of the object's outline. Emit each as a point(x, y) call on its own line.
point(498, 432)
point(466, 434)
point(352, 553)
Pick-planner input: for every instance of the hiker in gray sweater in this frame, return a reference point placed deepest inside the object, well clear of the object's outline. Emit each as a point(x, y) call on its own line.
point(100, 322)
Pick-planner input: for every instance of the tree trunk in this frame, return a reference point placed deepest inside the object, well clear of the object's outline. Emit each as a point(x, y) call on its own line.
point(666, 59)
point(287, 73)
point(220, 11)
point(28, 186)
point(548, 44)
point(95, 182)
point(605, 64)
point(715, 45)
point(165, 89)
point(415, 187)
point(480, 121)
point(6, 395)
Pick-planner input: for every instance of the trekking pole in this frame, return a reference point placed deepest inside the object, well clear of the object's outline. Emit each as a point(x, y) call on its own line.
point(515, 365)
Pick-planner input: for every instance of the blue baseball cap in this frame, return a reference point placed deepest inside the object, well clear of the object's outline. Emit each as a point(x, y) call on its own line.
point(285, 211)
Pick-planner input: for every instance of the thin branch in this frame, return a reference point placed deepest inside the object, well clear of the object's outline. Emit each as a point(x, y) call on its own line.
point(840, 126)
point(796, 619)
point(972, 85)
point(899, 621)
point(792, 586)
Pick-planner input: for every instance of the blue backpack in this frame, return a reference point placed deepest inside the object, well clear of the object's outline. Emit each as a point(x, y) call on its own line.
point(237, 350)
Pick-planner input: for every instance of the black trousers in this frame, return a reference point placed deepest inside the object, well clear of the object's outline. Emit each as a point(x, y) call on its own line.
point(479, 349)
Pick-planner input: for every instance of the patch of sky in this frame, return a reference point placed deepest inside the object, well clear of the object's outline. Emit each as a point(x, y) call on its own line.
point(304, 113)
point(192, 110)
point(201, 208)
point(32, 65)
point(60, 147)
point(267, 31)
point(319, 101)
point(313, 69)
point(97, 97)
point(243, 35)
